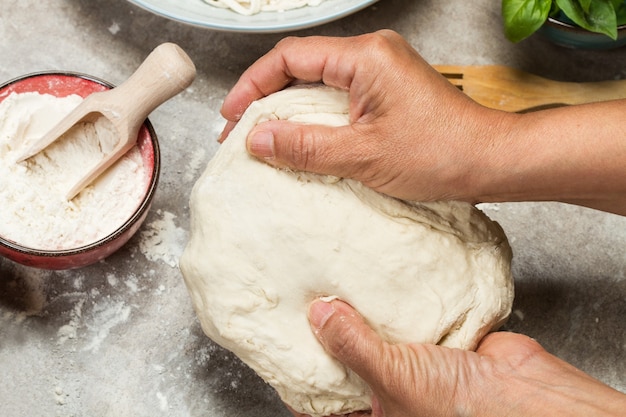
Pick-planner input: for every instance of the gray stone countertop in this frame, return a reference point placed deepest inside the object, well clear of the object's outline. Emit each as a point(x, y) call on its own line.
point(119, 338)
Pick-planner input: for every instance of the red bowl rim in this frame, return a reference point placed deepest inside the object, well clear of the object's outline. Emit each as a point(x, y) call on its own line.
point(141, 209)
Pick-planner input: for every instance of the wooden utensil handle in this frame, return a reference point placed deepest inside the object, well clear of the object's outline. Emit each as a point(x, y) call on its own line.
point(164, 73)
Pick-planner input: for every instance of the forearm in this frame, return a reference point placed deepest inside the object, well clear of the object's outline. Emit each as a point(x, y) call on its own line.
point(555, 401)
point(570, 393)
point(573, 154)
point(524, 380)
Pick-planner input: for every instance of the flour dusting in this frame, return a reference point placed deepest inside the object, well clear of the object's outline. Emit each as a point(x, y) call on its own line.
point(196, 162)
point(162, 240)
point(105, 316)
point(69, 330)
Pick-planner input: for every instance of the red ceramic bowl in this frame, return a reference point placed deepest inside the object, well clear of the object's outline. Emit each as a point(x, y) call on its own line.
point(62, 84)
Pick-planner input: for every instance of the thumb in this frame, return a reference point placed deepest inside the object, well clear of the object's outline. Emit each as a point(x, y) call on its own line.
point(303, 147)
point(345, 335)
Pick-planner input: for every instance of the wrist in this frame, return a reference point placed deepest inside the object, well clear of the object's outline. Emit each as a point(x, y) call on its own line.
point(571, 154)
point(525, 380)
point(489, 156)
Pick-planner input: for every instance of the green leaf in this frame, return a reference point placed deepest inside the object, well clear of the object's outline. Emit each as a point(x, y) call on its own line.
point(620, 13)
point(600, 18)
point(618, 3)
point(585, 5)
point(554, 10)
point(523, 17)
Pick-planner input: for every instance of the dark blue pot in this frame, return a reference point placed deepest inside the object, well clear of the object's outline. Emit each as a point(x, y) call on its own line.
point(569, 35)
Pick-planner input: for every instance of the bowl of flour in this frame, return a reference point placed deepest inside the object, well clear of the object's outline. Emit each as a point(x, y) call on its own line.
point(39, 227)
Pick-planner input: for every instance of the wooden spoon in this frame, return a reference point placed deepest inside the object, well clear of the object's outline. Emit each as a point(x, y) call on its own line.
point(509, 89)
point(165, 72)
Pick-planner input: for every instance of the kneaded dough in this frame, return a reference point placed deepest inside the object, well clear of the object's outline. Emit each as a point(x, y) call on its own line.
point(266, 242)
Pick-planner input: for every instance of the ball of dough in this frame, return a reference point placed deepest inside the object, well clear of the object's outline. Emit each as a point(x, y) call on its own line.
point(266, 242)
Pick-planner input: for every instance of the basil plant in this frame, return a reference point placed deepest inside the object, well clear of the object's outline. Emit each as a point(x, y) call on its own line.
point(523, 17)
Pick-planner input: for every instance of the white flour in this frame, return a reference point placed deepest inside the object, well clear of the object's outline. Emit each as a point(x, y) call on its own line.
point(34, 210)
point(162, 240)
point(105, 316)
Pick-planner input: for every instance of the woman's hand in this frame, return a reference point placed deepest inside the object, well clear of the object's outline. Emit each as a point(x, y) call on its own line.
point(508, 375)
point(411, 135)
point(414, 136)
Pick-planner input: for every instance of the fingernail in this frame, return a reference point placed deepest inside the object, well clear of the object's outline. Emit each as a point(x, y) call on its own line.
point(319, 313)
point(261, 144)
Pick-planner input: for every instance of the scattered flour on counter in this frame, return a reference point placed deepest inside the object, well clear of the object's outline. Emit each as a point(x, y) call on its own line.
point(132, 283)
point(162, 401)
point(161, 240)
point(106, 316)
point(194, 164)
point(114, 28)
point(160, 290)
point(90, 324)
point(112, 280)
point(35, 211)
point(59, 396)
point(79, 282)
point(69, 331)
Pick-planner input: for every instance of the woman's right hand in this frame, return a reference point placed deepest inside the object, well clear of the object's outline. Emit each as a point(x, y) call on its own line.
point(414, 136)
point(411, 135)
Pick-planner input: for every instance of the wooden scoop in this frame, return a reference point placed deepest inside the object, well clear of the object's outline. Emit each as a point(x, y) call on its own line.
point(165, 72)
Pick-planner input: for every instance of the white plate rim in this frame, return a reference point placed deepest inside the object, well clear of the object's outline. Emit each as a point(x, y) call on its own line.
point(224, 20)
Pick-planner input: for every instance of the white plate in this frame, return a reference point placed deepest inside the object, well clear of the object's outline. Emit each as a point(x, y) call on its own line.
point(198, 13)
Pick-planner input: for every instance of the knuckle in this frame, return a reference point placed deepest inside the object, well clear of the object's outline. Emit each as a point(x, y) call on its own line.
point(285, 42)
point(343, 344)
point(302, 152)
point(386, 45)
point(383, 40)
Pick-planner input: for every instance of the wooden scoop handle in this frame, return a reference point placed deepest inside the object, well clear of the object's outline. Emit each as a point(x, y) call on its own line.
point(164, 73)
